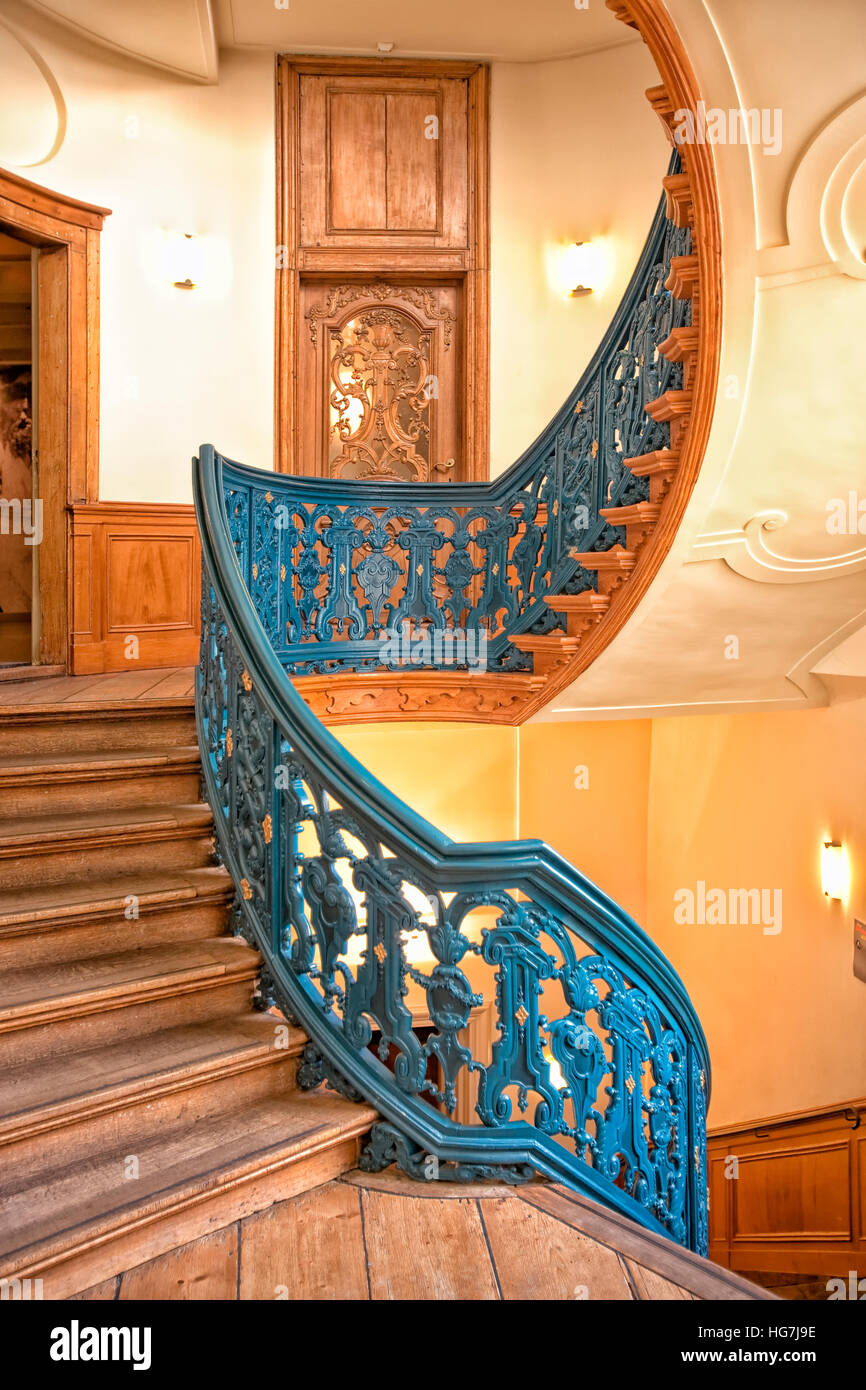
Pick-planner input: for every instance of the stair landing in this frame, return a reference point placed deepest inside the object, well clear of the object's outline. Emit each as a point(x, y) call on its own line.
point(377, 1237)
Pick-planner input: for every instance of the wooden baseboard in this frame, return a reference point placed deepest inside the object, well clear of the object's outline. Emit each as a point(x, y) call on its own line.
point(788, 1194)
point(134, 589)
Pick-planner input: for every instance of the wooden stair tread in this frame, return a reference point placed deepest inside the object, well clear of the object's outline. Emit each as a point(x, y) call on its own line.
point(34, 1097)
point(103, 893)
point(577, 603)
point(66, 828)
point(94, 763)
point(54, 1213)
point(46, 989)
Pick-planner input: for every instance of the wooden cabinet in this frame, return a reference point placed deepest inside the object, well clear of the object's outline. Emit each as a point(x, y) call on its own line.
point(382, 271)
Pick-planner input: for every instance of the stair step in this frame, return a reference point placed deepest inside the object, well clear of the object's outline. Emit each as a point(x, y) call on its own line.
point(684, 277)
point(82, 780)
point(679, 206)
point(105, 1097)
point(42, 727)
point(674, 407)
point(659, 466)
point(54, 848)
point(46, 1009)
point(639, 520)
point(78, 1211)
point(35, 1098)
point(548, 650)
point(613, 566)
point(582, 611)
point(67, 921)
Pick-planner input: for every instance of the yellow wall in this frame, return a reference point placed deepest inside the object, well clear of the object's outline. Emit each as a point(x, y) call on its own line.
point(745, 801)
point(600, 828)
point(462, 777)
point(740, 801)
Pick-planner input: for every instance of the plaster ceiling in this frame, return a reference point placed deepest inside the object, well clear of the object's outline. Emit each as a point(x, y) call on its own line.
point(183, 36)
point(761, 556)
point(176, 35)
point(507, 30)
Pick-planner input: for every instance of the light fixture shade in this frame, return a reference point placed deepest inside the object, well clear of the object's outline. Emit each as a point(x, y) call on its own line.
point(834, 870)
point(187, 260)
point(581, 268)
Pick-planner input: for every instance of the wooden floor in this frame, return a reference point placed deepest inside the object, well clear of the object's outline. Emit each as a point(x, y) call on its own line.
point(167, 683)
point(376, 1237)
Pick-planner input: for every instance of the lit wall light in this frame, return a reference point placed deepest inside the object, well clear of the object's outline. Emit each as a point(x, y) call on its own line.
point(835, 870)
point(582, 265)
point(186, 258)
point(581, 268)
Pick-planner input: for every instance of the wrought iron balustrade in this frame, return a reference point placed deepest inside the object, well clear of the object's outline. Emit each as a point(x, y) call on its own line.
point(504, 1016)
point(337, 569)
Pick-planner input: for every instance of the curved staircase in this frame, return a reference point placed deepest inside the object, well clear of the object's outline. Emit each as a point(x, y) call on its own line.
point(187, 1044)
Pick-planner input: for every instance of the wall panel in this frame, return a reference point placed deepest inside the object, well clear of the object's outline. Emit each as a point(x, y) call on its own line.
point(135, 586)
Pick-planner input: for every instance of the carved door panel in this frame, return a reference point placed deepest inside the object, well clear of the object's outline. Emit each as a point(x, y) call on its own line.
point(382, 269)
point(380, 379)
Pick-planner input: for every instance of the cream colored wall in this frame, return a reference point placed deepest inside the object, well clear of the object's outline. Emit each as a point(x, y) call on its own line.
point(179, 368)
point(576, 153)
point(462, 777)
point(746, 801)
point(584, 789)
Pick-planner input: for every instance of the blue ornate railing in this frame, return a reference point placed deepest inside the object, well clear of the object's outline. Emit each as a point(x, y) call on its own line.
point(501, 1013)
point(336, 569)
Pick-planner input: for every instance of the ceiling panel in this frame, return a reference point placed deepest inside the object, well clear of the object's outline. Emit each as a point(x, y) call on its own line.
point(177, 35)
point(510, 30)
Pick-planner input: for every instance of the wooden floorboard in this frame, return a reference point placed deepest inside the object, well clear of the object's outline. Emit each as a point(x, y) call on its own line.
point(166, 683)
point(310, 1248)
point(428, 1250)
point(537, 1257)
point(205, 1269)
point(381, 1237)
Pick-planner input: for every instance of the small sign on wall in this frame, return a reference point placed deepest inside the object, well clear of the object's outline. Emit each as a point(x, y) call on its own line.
point(859, 950)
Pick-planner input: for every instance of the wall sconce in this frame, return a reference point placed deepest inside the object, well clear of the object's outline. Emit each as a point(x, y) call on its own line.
point(186, 260)
point(582, 266)
point(834, 870)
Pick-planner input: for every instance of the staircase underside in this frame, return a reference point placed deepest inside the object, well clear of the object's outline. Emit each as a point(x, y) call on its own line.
point(376, 1237)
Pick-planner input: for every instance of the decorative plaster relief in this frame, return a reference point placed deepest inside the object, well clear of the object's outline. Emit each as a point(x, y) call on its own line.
point(826, 207)
point(748, 552)
point(33, 112)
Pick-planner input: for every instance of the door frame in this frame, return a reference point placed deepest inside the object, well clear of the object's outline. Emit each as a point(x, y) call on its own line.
point(66, 231)
point(470, 266)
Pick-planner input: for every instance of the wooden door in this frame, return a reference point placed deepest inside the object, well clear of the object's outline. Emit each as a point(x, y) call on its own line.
point(382, 298)
point(380, 375)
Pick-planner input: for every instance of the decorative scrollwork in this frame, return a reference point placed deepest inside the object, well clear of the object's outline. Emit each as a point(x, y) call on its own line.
point(335, 573)
point(362, 944)
point(502, 1014)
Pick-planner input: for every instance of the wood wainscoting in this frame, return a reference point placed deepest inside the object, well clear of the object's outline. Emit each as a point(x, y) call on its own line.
point(136, 574)
point(798, 1202)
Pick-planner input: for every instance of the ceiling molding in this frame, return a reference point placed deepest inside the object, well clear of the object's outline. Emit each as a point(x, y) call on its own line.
point(747, 551)
point(815, 206)
point(177, 36)
point(484, 31)
point(54, 95)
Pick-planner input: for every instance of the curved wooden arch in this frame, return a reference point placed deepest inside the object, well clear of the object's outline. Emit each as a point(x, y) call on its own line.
point(692, 198)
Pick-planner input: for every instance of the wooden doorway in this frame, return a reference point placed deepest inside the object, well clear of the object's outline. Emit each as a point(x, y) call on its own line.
point(382, 270)
point(61, 238)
